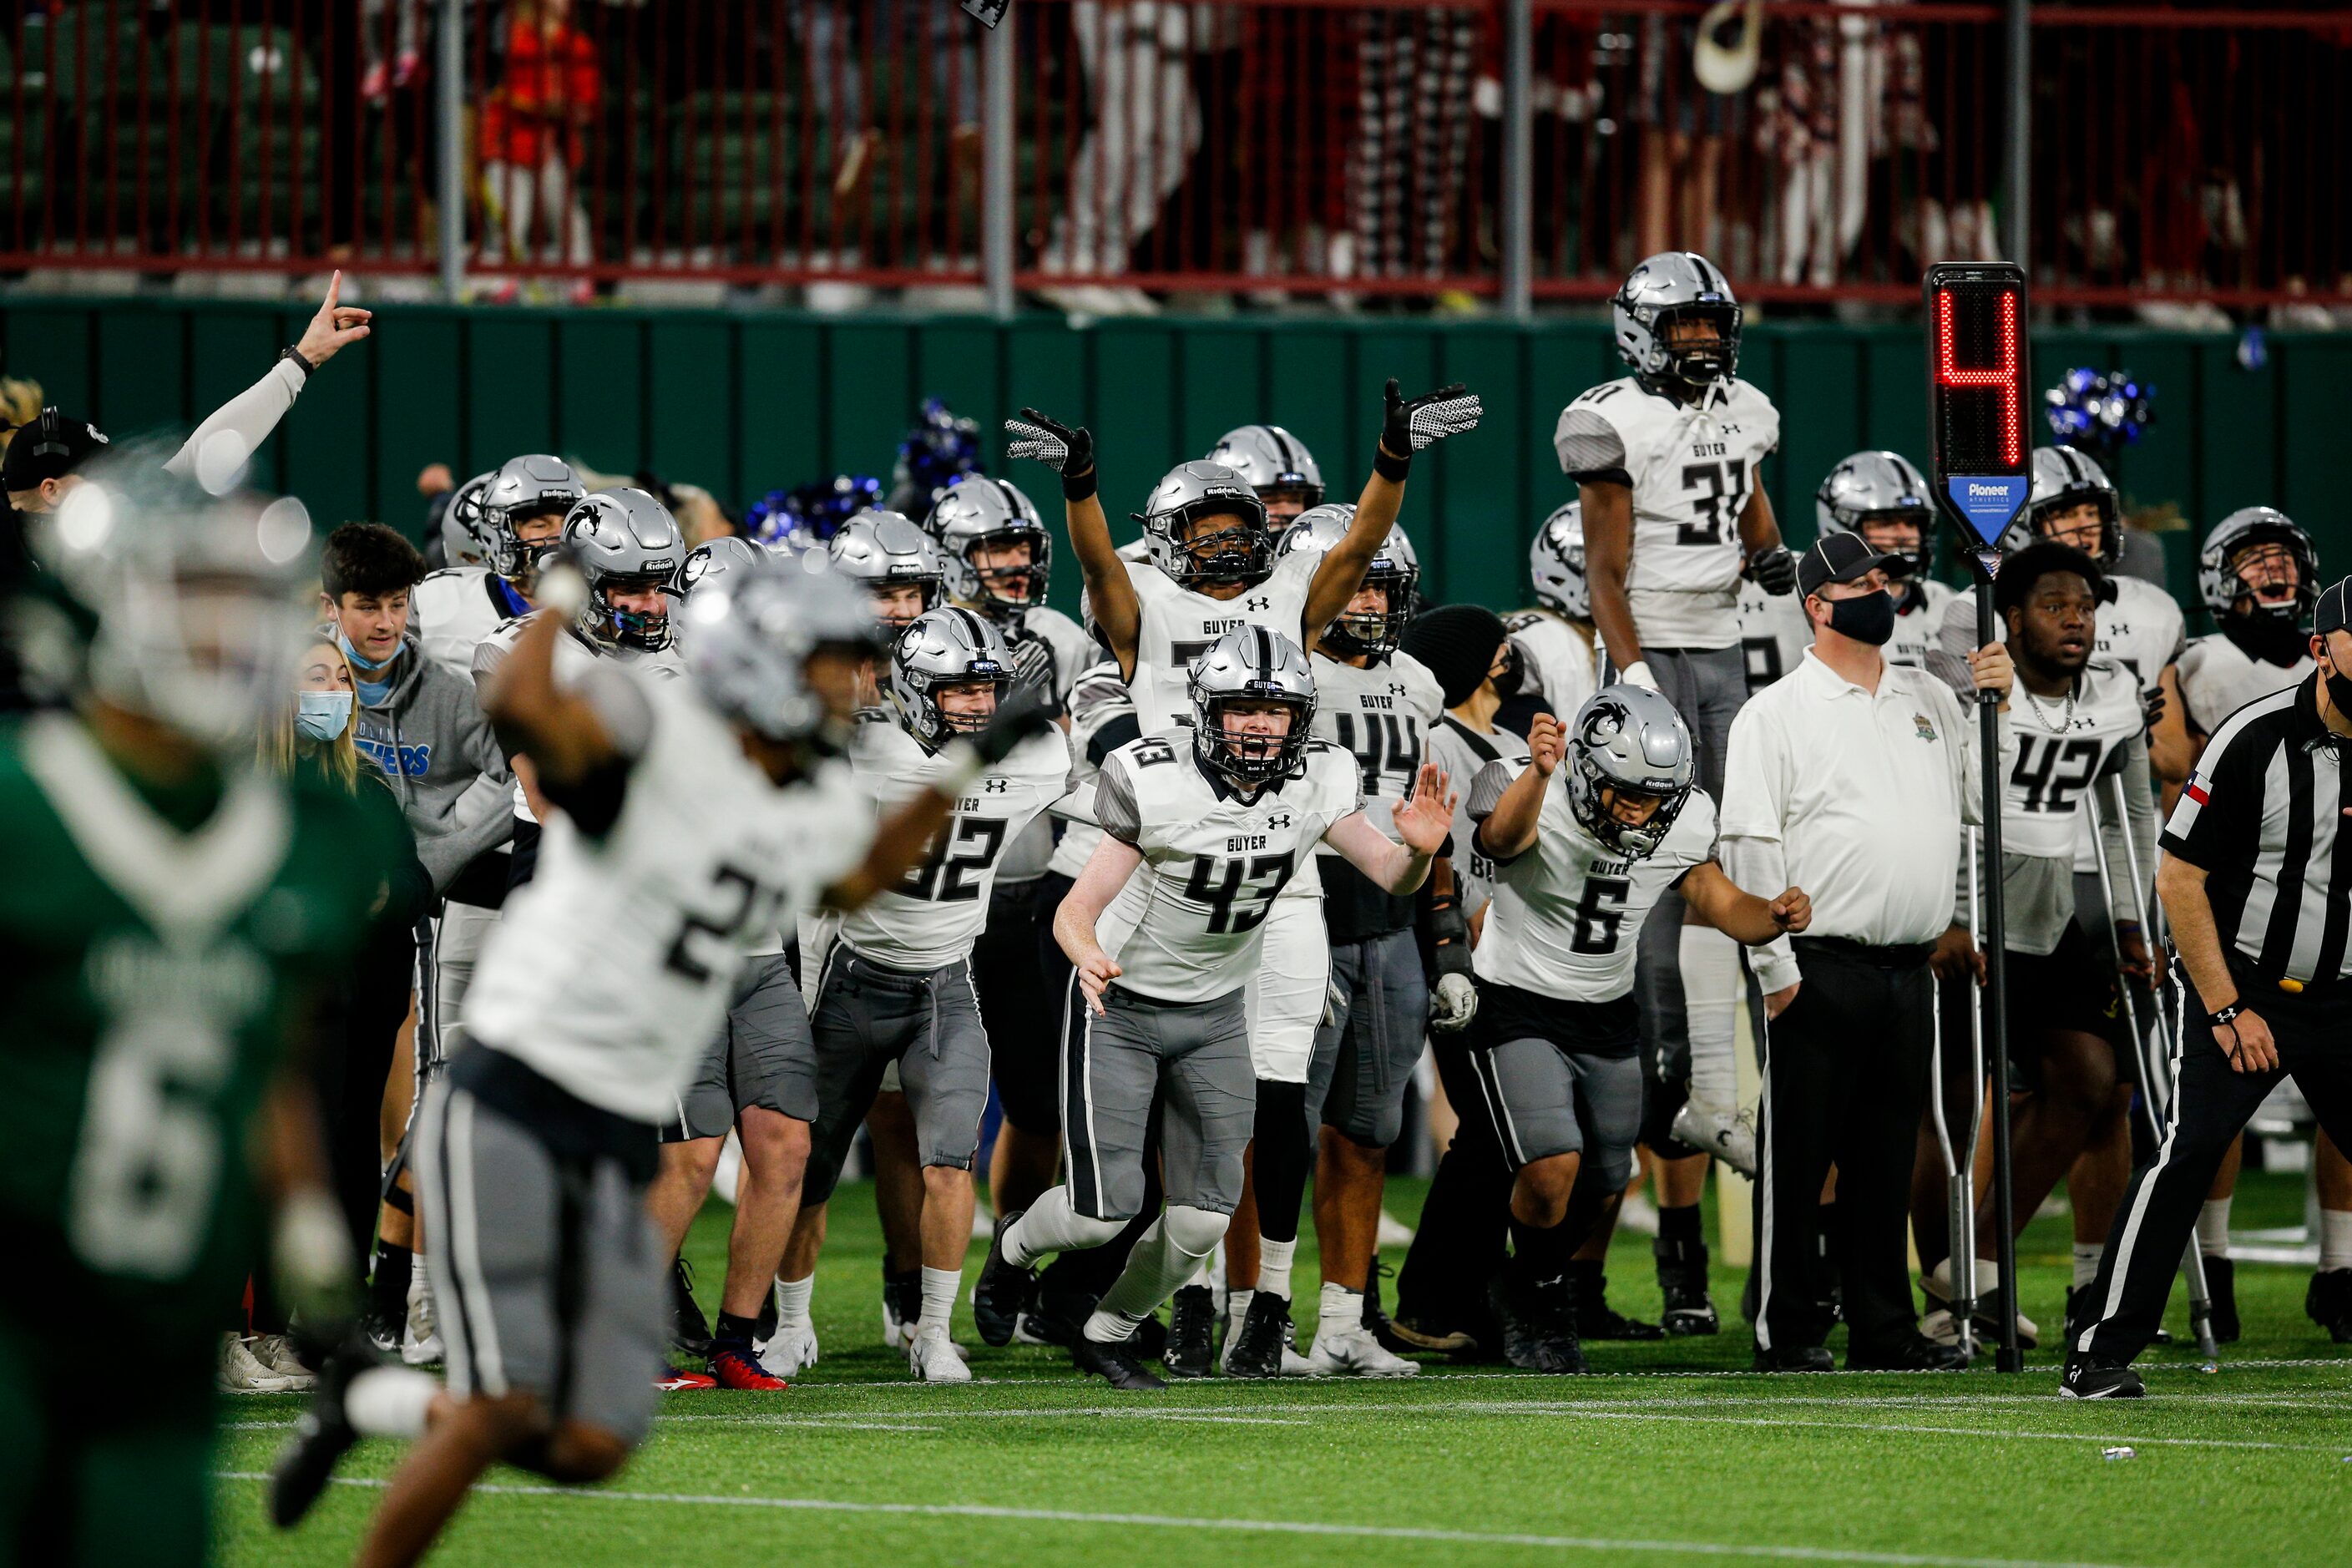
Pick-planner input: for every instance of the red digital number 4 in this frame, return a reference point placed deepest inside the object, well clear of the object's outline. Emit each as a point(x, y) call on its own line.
point(2002, 378)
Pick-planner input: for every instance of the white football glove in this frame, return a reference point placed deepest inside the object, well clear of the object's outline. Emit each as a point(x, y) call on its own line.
point(1452, 1003)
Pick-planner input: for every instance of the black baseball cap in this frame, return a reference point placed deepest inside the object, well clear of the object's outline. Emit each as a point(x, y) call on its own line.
point(2334, 612)
point(1841, 558)
point(48, 447)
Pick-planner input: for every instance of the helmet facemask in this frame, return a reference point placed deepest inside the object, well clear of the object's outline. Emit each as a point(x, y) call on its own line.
point(514, 557)
point(990, 583)
point(1594, 789)
point(1921, 554)
point(1704, 363)
point(2262, 566)
point(1242, 553)
point(2103, 550)
point(613, 625)
point(1251, 757)
point(1375, 633)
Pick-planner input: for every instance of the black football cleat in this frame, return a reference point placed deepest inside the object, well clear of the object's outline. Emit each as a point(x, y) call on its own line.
point(1539, 1325)
point(1682, 1281)
point(1256, 1346)
point(1793, 1358)
point(1917, 1353)
point(321, 1437)
point(689, 1331)
point(1190, 1347)
point(1376, 1315)
point(2097, 1377)
point(1003, 1286)
point(2222, 1291)
point(2328, 1303)
point(1595, 1319)
point(1116, 1365)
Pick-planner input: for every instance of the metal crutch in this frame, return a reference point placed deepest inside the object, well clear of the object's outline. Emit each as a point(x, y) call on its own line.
point(2192, 1260)
point(1960, 1160)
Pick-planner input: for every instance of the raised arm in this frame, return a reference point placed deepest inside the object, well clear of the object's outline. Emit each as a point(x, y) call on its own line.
point(254, 413)
point(1405, 428)
point(1508, 830)
point(904, 838)
point(1422, 822)
point(557, 727)
point(1069, 451)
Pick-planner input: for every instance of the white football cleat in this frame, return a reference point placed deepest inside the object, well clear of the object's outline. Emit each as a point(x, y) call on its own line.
point(1730, 1138)
point(276, 1351)
point(1352, 1352)
point(897, 1333)
point(934, 1358)
point(420, 1338)
point(242, 1372)
point(790, 1350)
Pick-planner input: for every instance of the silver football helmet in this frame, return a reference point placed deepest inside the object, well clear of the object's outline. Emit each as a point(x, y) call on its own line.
point(463, 539)
point(1555, 563)
point(1628, 740)
point(1190, 492)
point(1270, 459)
point(716, 558)
point(1251, 664)
point(1395, 568)
point(1670, 287)
point(533, 485)
point(2219, 565)
point(978, 510)
point(881, 550)
point(624, 540)
point(1879, 487)
point(2064, 479)
point(749, 638)
point(946, 646)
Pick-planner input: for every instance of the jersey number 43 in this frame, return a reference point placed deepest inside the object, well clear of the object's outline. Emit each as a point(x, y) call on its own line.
point(1239, 889)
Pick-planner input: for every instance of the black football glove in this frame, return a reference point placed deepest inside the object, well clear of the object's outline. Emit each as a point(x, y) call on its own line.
point(1068, 452)
point(1774, 570)
point(2151, 709)
point(1021, 716)
point(1407, 427)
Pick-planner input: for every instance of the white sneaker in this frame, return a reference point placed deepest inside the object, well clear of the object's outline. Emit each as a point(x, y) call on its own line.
point(934, 1358)
point(1352, 1352)
point(420, 1338)
point(1026, 1332)
point(276, 1351)
point(1393, 1232)
point(897, 1333)
point(1729, 1136)
point(241, 1372)
point(792, 1349)
point(1937, 1283)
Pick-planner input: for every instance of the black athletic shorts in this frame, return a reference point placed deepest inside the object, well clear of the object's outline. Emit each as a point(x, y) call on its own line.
point(2067, 988)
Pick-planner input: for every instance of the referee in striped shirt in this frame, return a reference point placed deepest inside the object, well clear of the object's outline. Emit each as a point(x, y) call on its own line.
point(2257, 884)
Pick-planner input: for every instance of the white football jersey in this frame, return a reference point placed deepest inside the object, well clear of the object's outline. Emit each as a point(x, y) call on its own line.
point(1918, 623)
point(933, 917)
point(1464, 753)
point(2218, 678)
point(1773, 634)
point(1099, 700)
point(2141, 630)
point(451, 611)
point(1557, 659)
point(1567, 914)
point(1692, 469)
point(2061, 747)
point(610, 970)
point(574, 656)
point(1382, 717)
point(1061, 648)
point(1189, 924)
point(1178, 625)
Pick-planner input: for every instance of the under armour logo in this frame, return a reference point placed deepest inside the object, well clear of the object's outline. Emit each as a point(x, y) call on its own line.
point(1281, 819)
point(996, 786)
point(1396, 688)
point(1255, 603)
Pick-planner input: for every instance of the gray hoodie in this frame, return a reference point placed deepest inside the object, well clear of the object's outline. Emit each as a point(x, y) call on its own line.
point(436, 751)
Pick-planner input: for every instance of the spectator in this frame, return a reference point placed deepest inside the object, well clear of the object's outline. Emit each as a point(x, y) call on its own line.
point(1412, 137)
point(534, 137)
point(314, 737)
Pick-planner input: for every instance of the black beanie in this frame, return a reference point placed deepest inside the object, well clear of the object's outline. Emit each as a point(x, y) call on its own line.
point(1457, 642)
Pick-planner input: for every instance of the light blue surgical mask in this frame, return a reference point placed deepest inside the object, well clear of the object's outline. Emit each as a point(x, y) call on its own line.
point(321, 715)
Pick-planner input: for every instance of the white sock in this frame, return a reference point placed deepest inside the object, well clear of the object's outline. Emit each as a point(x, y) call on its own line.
point(1154, 1269)
point(2335, 1239)
point(1712, 987)
point(939, 1288)
point(1274, 1264)
point(1339, 1309)
point(1109, 1328)
point(2086, 1261)
point(1237, 1307)
point(1050, 1224)
point(2213, 1227)
point(389, 1401)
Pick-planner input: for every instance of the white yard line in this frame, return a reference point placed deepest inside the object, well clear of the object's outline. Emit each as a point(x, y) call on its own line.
point(1252, 1526)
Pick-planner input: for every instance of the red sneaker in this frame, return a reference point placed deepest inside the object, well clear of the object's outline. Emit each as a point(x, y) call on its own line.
point(672, 1381)
point(738, 1366)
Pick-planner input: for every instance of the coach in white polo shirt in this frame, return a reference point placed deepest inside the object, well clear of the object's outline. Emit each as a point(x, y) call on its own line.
point(1851, 778)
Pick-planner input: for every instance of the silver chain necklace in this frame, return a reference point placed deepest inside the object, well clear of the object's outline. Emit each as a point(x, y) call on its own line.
point(2065, 717)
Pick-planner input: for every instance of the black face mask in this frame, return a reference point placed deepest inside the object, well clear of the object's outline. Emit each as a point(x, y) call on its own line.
point(2339, 687)
point(1869, 618)
point(1506, 684)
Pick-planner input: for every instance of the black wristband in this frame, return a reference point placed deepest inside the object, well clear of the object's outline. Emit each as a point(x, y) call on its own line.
point(2223, 1018)
point(1389, 468)
point(295, 354)
point(1080, 487)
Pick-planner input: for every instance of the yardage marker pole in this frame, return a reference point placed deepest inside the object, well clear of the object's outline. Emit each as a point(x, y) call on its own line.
point(1976, 368)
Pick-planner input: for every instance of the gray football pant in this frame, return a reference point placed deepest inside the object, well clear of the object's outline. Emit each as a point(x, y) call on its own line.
point(1195, 1058)
point(869, 1016)
point(1365, 1055)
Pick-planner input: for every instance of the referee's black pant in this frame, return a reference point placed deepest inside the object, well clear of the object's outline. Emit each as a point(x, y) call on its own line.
point(2211, 1105)
point(1845, 1081)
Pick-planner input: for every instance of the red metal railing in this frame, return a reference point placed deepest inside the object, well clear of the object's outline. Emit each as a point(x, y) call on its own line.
point(1295, 147)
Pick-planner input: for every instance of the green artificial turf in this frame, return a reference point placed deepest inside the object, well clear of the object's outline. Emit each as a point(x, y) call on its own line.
point(1671, 1453)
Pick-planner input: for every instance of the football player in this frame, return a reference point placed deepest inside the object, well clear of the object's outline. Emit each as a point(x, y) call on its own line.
point(1201, 828)
point(2077, 719)
point(2259, 576)
point(1605, 819)
point(1553, 656)
point(1667, 464)
point(998, 559)
point(707, 811)
point(1276, 465)
point(1380, 706)
point(175, 916)
point(1212, 568)
point(894, 560)
point(1884, 497)
point(1460, 1242)
point(460, 531)
point(898, 982)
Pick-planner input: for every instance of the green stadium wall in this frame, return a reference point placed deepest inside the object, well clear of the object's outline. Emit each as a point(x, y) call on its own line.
point(742, 403)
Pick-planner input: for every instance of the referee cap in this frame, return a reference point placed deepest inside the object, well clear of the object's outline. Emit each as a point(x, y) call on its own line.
point(2334, 613)
point(1841, 558)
